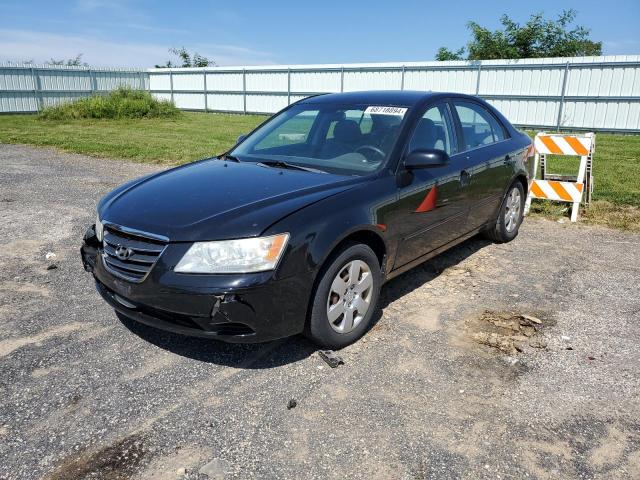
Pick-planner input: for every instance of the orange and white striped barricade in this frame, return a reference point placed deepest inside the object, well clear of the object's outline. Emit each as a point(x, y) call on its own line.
point(563, 188)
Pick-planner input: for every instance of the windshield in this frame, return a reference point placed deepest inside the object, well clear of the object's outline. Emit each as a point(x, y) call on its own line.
point(340, 139)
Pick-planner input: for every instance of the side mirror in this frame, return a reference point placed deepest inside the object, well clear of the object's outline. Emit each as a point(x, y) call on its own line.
point(241, 138)
point(425, 158)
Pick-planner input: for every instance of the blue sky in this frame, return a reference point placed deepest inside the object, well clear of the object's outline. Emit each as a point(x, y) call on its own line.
point(139, 32)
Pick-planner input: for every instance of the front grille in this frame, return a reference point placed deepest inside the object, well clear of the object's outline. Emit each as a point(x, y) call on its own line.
point(143, 252)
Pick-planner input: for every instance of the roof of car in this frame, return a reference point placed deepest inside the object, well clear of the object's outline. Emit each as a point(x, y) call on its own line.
point(405, 98)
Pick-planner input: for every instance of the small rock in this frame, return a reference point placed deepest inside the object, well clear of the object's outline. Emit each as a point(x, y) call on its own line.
point(50, 255)
point(181, 472)
point(215, 469)
point(565, 338)
point(292, 404)
point(53, 266)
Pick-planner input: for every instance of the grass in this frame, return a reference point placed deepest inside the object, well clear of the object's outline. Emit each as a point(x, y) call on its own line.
point(123, 102)
point(191, 136)
point(155, 140)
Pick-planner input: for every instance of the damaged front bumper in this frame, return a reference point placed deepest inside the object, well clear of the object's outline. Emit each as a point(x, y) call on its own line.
point(236, 308)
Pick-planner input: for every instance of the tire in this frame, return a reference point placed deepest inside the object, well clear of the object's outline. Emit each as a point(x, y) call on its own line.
point(510, 215)
point(334, 319)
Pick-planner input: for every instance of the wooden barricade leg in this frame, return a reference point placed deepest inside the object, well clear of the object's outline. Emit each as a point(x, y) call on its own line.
point(527, 203)
point(579, 180)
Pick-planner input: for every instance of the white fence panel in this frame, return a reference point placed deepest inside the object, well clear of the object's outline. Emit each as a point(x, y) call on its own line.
point(590, 93)
point(316, 81)
point(222, 102)
point(28, 88)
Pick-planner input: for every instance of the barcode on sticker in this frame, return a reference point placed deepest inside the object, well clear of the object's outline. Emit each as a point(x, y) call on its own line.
point(379, 110)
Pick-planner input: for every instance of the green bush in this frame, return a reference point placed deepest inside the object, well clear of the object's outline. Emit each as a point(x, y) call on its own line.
point(121, 103)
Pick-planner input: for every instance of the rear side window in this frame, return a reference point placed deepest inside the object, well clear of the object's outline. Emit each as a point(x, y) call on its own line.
point(479, 126)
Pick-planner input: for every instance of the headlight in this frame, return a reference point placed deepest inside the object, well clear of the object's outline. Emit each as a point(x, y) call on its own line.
point(99, 228)
point(234, 256)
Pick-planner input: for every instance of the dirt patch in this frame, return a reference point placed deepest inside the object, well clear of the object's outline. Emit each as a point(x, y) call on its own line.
point(428, 320)
point(119, 460)
point(508, 332)
point(174, 465)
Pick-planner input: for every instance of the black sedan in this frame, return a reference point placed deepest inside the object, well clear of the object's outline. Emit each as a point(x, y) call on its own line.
point(296, 228)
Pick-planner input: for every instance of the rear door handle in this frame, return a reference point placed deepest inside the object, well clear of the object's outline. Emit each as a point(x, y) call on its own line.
point(465, 178)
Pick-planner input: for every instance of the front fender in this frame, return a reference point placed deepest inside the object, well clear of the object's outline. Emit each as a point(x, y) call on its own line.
point(321, 227)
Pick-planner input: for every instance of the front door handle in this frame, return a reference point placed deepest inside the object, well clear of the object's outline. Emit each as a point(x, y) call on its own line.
point(465, 178)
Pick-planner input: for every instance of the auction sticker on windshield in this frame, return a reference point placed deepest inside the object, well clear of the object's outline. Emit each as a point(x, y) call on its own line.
point(379, 110)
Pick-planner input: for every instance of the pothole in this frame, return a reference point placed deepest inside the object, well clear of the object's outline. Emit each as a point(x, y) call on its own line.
point(509, 332)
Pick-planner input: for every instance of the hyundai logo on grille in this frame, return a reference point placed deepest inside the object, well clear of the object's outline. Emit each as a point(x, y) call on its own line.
point(123, 253)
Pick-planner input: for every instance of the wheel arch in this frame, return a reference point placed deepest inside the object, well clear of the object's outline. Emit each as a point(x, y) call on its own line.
point(365, 234)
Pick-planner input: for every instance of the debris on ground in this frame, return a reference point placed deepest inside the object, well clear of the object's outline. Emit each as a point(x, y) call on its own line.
point(215, 469)
point(292, 404)
point(53, 266)
point(507, 331)
point(331, 357)
point(49, 255)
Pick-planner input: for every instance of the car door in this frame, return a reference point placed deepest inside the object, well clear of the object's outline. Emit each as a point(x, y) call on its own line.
point(487, 151)
point(431, 207)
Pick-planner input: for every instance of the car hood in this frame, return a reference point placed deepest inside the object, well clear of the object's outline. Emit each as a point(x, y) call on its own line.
point(214, 200)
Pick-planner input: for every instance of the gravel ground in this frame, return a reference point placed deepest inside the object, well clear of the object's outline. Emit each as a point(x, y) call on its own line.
point(84, 395)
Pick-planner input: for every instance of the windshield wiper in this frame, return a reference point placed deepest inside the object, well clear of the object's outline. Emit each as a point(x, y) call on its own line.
point(226, 156)
point(290, 166)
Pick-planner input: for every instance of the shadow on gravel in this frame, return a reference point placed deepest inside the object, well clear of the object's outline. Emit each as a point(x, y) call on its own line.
point(424, 273)
point(250, 355)
point(297, 347)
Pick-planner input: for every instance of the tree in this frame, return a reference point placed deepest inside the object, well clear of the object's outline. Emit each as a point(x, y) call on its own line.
point(71, 62)
point(187, 60)
point(445, 54)
point(539, 37)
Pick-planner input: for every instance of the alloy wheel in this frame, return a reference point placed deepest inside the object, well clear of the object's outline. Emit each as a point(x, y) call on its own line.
point(349, 296)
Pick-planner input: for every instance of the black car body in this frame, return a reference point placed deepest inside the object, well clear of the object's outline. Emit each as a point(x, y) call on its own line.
point(412, 204)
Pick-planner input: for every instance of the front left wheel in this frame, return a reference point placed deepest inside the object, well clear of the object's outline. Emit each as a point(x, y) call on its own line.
point(345, 298)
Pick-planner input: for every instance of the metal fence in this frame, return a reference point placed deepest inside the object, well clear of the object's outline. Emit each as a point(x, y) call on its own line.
point(29, 88)
point(583, 93)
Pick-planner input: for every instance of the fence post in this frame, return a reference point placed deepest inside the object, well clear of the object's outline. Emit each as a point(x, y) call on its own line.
point(478, 79)
point(92, 81)
point(562, 93)
point(342, 79)
point(244, 91)
point(402, 79)
point(204, 76)
point(35, 78)
point(288, 86)
point(171, 84)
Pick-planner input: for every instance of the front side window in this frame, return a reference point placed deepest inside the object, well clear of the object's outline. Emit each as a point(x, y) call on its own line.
point(433, 131)
point(341, 139)
point(479, 126)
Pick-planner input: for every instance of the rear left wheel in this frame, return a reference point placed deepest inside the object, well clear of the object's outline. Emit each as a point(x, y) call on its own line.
point(345, 298)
